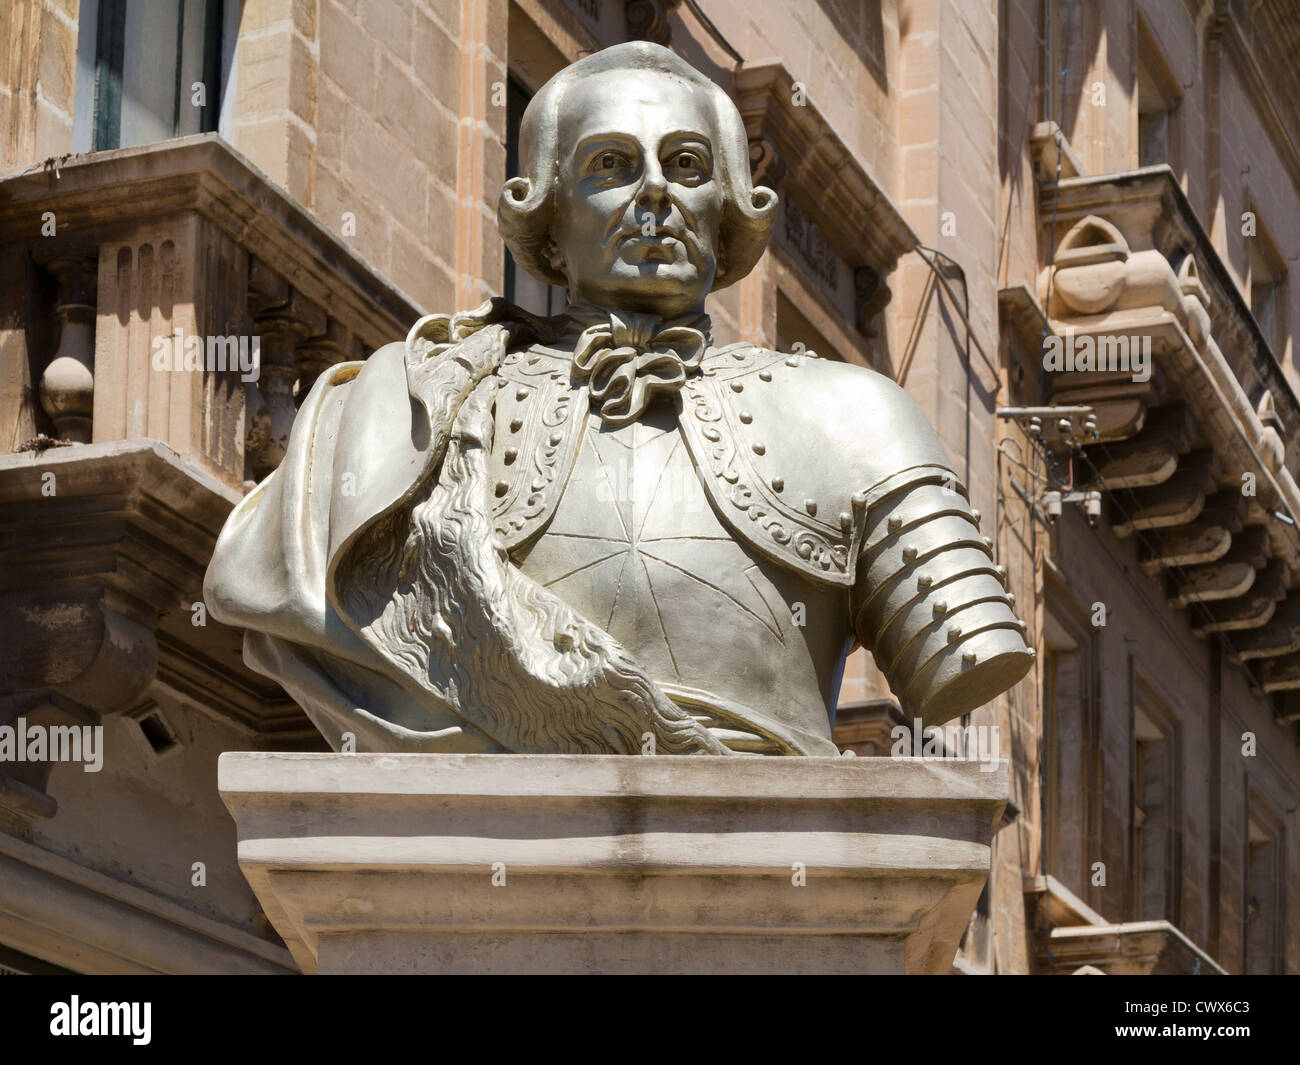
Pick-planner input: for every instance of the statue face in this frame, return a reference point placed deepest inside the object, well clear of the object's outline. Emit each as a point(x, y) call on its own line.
point(638, 206)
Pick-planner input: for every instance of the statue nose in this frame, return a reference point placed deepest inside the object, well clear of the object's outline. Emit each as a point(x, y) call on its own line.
point(654, 189)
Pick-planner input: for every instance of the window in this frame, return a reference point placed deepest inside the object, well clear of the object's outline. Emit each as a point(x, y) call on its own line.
point(1158, 97)
point(1070, 754)
point(521, 287)
point(1264, 288)
point(149, 70)
point(793, 328)
point(1155, 841)
point(1263, 903)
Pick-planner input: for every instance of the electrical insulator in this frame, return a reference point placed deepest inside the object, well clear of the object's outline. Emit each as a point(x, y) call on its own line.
point(1092, 507)
point(1052, 505)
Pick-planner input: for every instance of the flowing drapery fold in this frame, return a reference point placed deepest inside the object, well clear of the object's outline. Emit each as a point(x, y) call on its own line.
point(366, 572)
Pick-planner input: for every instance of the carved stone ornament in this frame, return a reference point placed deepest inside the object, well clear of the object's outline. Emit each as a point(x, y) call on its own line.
point(597, 532)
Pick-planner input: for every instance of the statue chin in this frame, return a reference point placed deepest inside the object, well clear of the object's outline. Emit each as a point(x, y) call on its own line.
point(647, 286)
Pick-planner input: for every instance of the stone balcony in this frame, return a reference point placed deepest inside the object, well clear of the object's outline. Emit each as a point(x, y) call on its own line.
point(127, 445)
point(1196, 464)
point(115, 250)
point(1069, 937)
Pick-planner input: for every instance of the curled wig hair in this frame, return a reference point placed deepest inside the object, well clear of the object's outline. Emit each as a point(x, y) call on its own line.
point(526, 209)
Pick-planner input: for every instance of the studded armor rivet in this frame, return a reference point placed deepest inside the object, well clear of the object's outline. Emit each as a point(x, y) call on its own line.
point(988, 542)
point(516, 425)
point(976, 515)
point(940, 608)
point(909, 554)
point(968, 659)
point(954, 632)
point(895, 523)
point(521, 394)
point(759, 448)
point(778, 484)
point(746, 417)
point(1011, 598)
point(512, 453)
point(736, 386)
point(793, 360)
point(765, 375)
point(810, 505)
point(924, 581)
point(502, 488)
point(846, 521)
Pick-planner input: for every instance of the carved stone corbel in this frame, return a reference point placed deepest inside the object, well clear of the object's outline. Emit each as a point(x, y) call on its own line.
point(1152, 456)
point(1231, 576)
point(871, 296)
point(1176, 501)
point(1253, 610)
point(1281, 636)
point(766, 163)
point(647, 20)
point(1204, 540)
point(1281, 674)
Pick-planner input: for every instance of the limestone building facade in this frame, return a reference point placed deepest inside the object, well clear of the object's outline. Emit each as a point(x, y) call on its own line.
point(1066, 227)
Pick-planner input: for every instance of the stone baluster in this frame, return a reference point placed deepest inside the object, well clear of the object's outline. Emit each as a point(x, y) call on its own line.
point(316, 355)
point(67, 387)
point(282, 318)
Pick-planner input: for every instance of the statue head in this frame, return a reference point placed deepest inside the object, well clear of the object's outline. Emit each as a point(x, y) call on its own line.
point(635, 191)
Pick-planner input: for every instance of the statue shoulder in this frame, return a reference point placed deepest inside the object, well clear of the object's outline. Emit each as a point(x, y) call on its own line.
point(870, 426)
point(791, 446)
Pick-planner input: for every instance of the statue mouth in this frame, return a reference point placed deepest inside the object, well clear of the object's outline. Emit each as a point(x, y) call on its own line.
point(661, 235)
point(661, 247)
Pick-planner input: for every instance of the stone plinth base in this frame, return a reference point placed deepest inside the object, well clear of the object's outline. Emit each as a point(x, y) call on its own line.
point(590, 864)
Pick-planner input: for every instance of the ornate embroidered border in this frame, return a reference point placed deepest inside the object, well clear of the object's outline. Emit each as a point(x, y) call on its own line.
point(809, 546)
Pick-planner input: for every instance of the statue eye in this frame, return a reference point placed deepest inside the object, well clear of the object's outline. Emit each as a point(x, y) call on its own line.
point(609, 161)
point(685, 161)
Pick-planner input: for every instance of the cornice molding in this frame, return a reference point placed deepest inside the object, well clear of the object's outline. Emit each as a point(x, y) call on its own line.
point(1152, 211)
point(54, 909)
point(793, 144)
point(97, 195)
point(117, 554)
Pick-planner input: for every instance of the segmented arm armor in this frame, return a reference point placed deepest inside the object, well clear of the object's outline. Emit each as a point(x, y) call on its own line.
point(930, 602)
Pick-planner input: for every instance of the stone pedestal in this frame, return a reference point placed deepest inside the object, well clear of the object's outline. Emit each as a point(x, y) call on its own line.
point(370, 863)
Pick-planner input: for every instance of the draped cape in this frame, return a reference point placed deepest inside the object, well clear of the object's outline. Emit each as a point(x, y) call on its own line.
point(369, 585)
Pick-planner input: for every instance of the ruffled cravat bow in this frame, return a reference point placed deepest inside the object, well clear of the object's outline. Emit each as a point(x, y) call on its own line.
point(628, 359)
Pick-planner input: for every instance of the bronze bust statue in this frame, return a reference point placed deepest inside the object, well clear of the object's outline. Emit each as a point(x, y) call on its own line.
point(597, 532)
